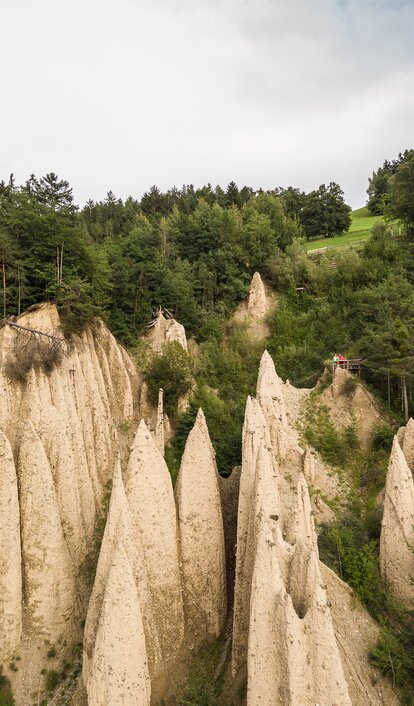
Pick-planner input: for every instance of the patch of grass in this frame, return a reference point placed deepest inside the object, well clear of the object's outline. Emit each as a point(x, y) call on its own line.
point(359, 231)
point(346, 240)
point(336, 447)
point(201, 688)
point(88, 567)
point(6, 695)
point(125, 426)
point(52, 679)
point(346, 548)
point(393, 656)
point(362, 220)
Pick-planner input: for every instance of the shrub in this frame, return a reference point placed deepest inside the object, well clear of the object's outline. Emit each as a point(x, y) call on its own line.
point(336, 447)
point(32, 351)
point(201, 688)
point(224, 421)
point(394, 660)
point(52, 679)
point(171, 371)
point(346, 548)
point(6, 695)
point(88, 566)
point(382, 436)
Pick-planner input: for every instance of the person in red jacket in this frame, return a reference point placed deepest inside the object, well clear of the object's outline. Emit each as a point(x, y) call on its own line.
point(341, 361)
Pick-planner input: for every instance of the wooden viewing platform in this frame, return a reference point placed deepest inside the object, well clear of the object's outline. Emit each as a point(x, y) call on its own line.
point(353, 365)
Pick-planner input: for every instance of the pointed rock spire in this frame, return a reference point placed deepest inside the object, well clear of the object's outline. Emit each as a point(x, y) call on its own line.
point(117, 507)
point(323, 669)
point(257, 302)
point(255, 432)
point(119, 669)
point(201, 535)
point(303, 526)
point(167, 330)
point(292, 650)
point(339, 380)
point(270, 397)
point(264, 503)
point(408, 443)
point(397, 529)
point(117, 371)
point(49, 579)
point(119, 528)
point(151, 500)
point(10, 554)
point(267, 664)
point(176, 332)
point(72, 484)
point(308, 466)
point(159, 427)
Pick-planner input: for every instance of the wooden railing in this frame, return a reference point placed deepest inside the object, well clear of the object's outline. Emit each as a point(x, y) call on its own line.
point(353, 364)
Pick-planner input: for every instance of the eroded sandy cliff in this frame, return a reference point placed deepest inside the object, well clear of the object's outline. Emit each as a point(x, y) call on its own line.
point(201, 537)
point(397, 530)
point(59, 437)
point(159, 591)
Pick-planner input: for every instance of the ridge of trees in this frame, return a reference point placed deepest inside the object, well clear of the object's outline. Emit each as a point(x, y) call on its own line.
point(194, 250)
point(383, 195)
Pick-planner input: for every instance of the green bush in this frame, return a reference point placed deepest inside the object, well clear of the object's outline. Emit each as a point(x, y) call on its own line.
point(226, 372)
point(6, 695)
point(52, 679)
point(171, 370)
point(336, 447)
point(346, 548)
point(201, 689)
point(199, 692)
point(382, 436)
point(393, 659)
point(224, 421)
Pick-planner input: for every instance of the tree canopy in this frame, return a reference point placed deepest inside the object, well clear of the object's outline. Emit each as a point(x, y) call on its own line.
point(379, 184)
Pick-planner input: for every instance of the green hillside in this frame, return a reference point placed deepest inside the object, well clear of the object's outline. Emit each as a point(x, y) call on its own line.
point(359, 231)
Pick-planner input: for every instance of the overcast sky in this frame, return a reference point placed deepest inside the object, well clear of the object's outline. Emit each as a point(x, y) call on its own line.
point(123, 94)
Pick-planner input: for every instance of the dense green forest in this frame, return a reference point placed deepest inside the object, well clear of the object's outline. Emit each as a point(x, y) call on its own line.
point(390, 186)
point(193, 251)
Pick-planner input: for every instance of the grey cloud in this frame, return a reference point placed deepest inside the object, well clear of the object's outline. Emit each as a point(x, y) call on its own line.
point(124, 94)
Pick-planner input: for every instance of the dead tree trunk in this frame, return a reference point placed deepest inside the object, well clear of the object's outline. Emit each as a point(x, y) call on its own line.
point(3, 269)
point(19, 292)
point(404, 397)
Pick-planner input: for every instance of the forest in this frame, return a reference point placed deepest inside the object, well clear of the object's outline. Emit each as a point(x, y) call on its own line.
point(193, 252)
